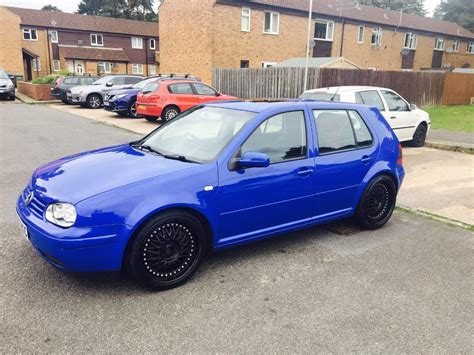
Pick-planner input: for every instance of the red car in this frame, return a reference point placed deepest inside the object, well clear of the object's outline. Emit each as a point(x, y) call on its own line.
point(167, 98)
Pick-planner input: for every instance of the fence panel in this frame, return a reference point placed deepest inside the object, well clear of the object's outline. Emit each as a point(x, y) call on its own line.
point(458, 88)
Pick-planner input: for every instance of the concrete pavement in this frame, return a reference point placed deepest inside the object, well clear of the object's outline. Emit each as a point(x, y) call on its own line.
point(451, 140)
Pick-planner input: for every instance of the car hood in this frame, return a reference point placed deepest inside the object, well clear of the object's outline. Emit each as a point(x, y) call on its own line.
point(5, 81)
point(81, 176)
point(123, 91)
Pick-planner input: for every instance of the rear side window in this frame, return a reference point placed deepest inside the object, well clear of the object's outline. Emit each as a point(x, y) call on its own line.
point(340, 130)
point(71, 81)
point(371, 98)
point(87, 81)
point(181, 88)
point(320, 96)
point(202, 89)
point(132, 79)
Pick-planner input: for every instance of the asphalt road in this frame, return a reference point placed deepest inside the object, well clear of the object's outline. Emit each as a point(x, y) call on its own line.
point(405, 288)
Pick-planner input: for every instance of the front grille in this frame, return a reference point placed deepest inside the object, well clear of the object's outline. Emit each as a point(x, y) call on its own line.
point(36, 206)
point(108, 97)
point(3, 86)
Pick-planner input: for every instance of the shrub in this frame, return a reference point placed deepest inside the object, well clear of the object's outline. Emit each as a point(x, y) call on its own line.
point(48, 79)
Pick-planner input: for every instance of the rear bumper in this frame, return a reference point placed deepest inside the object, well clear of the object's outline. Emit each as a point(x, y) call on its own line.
point(400, 175)
point(147, 109)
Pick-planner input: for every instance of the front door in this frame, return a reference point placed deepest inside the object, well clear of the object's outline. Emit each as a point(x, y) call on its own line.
point(184, 96)
point(258, 201)
point(437, 59)
point(79, 67)
point(398, 113)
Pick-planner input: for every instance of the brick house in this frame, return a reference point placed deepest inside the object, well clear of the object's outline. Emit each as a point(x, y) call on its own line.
point(35, 43)
point(198, 35)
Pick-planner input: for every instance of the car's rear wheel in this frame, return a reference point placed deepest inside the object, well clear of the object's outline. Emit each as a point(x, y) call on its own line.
point(132, 109)
point(167, 250)
point(419, 136)
point(169, 113)
point(377, 203)
point(94, 101)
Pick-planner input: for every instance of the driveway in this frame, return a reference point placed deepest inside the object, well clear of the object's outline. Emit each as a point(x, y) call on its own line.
point(405, 288)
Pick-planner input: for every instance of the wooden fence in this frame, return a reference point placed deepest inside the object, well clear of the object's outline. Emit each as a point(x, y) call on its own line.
point(421, 88)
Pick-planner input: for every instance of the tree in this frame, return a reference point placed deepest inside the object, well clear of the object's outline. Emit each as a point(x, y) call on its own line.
point(459, 11)
point(141, 10)
point(414, 7)
point(51, 8)
point(108, 8)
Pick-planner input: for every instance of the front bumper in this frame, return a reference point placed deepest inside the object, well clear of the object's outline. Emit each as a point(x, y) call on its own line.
point(76, 249)
point(116, 106)
point(76, 98)
point(7, 92)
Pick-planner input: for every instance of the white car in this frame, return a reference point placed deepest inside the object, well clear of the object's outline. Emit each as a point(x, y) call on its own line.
point(409, 123)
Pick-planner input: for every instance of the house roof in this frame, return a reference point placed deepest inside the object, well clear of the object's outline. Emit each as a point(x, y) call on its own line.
point(50, 19)
point(319, 62)
point(96, 54)
point(365, 14)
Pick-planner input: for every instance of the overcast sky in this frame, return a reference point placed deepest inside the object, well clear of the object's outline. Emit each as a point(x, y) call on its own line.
point(71, 5)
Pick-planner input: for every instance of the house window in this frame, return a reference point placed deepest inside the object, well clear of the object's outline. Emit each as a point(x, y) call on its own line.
point(137, 42)
point(244, 64)
point(104, 67)
point(410, 41)
point(152, 43)
point(245, 19)
point(53, 36)
point(152, 69)
point(439, 44)
point(376, 39)
point(36, 64)
point(324, 30)
point(268, 64)
point(137, 68)
point(56, 65)
point(30, 34)
point(455, 46)
point(470, 48)
point(97, 40)
point(271, 23)
point(360, 34)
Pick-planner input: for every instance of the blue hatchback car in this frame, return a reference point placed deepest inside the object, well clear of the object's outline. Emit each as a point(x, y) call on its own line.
point(216, 176)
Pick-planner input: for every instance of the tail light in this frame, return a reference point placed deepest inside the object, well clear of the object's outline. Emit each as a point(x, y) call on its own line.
point(400, 155)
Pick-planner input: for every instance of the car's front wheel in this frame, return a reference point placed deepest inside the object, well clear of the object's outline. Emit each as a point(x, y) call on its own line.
point(419, 136)
point(167, 250)
point(377, 203)
point(132, 109)
point(94, 101)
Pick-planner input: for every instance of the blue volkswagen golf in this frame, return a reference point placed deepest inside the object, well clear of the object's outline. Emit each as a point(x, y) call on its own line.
point(216, 176)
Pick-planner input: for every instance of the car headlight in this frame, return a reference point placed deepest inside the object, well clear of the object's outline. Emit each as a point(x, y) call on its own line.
point(10, 85)
point(120, 96)
point(61, 214)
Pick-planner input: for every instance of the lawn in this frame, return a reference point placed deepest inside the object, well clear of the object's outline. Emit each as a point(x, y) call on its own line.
point(453, 118)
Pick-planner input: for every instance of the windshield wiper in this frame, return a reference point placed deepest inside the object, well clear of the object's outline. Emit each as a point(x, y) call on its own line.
point(179, 157)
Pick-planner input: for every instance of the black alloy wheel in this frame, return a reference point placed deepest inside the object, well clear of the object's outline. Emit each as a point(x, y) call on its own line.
point(420, 136)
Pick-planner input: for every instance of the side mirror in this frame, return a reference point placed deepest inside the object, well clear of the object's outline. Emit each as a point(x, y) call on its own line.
point(109, 84)
point(253, 160)
point(413, 107)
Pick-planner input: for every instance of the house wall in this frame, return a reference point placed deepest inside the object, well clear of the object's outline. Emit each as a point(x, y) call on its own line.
point(39, 47)
point(10, 42)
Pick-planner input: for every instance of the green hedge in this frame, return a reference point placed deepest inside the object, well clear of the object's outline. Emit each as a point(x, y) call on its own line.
point(49, 79)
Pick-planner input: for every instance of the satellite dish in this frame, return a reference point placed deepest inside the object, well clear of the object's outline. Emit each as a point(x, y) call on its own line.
point(405, 52)
point(449, 50)
point(312, 43)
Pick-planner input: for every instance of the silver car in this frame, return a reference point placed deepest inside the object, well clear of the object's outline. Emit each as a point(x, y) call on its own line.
point(7, 88)
point(92, 96)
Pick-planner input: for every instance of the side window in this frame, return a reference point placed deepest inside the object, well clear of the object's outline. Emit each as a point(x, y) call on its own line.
point(202, 89)
point(118, 80)
point(362, 133)
point(359, 98)
point(182, 88)
point(281, 137)
point(395, 102)
point(334, 130)
point(132, 79)
point(71, 81)
point(372, 98)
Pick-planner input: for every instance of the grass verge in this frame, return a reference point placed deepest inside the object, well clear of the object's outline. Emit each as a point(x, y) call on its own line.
point(437, 217)
point(453, 118)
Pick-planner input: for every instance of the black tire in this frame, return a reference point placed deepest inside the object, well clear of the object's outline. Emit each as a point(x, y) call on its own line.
point(377, 203)
point(169, 113)
point(66, 102)
point(419, 136)
point(167, 250)
point(132, 109)
point(94, 101)
point(11, 98)
point(151, 118)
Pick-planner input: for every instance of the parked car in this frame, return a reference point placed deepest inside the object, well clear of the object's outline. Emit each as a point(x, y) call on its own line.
point(64, 83)
point(169, 97)
point(409, 122)
point(123, 101)
point(7, 88)
point(216, 176)
point(92, 96)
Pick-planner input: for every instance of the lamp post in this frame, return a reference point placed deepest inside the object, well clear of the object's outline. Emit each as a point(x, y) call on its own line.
point(310, 15)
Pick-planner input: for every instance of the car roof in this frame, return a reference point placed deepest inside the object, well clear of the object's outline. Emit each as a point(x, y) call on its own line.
point(258, 107)
point(340, 89)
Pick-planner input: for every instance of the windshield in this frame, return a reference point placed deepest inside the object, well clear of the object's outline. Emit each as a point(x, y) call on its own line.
point(102, 80)
point(141, 84)
point(199, 134)
point(320, 96)
point(3, 75)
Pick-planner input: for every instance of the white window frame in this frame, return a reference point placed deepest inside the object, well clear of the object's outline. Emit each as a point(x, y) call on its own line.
point(152, 69)
point(272, 16)
point(245, 15)
point(439, 40)
point(378, 31)
point(56, 65)
point(455, 45)
point(134, 45)
point(137, 68)
point(329, 34)
point(95, 42)
point(361, 34)
point(268, 64)
point(470, 48)
point(105, 65)
point(30, 31)
point(54, 38)
point(412, 39)
point(152, 40)
point(36, 64)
